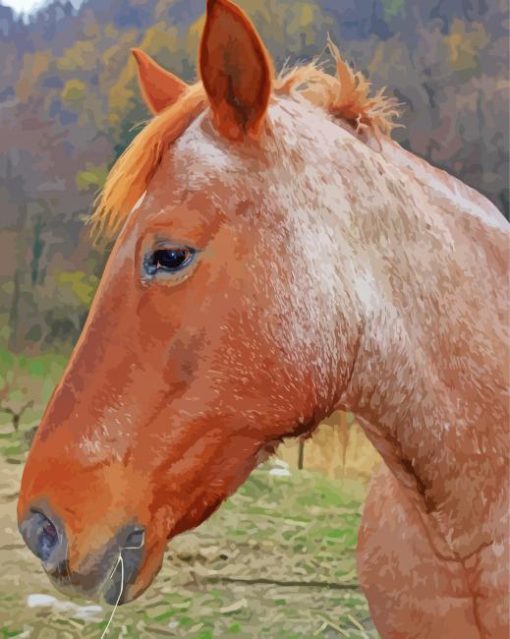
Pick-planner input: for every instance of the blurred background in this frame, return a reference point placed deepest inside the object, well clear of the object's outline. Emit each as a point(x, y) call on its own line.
point(69, 105)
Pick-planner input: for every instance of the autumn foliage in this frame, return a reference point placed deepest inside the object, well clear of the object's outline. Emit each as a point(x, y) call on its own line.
point(69, 105)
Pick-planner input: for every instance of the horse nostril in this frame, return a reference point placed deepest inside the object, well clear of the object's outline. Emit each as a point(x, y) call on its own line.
point(40, 535)
point(135, 539)
point(48, 539)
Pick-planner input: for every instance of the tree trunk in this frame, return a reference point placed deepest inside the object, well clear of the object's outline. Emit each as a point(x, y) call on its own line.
point(14, 314)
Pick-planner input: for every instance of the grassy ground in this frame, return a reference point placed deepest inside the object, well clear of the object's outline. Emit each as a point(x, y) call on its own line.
point(276, 561)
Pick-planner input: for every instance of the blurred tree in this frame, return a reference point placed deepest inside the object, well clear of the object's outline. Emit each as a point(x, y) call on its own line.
point(465, 44)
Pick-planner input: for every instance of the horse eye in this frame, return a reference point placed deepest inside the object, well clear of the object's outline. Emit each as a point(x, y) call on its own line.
point(168, 260)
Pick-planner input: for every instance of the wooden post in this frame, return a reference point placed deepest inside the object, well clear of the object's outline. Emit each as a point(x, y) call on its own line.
point(301, 454)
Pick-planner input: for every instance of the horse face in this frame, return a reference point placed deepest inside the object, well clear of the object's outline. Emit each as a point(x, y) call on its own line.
point(186, 372)
point(178, 383)
point(195, 354)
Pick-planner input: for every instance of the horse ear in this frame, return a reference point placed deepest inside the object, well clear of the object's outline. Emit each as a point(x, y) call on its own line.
point(236, 70)
point(159, 87)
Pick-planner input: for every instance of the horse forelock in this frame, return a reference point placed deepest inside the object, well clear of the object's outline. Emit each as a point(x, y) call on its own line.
point(344, 96)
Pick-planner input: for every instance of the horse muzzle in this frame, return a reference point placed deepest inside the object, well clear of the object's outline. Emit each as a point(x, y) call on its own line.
point(108, 573)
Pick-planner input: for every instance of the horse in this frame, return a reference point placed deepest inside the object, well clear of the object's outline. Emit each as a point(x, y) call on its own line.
point(278, 257)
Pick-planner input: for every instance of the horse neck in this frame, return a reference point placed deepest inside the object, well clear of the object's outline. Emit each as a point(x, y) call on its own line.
point(429, 376)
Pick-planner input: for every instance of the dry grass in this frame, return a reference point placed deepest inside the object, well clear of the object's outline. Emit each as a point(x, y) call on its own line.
point(338, 449)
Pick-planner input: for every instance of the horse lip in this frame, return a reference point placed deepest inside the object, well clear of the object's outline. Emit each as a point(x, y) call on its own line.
point(116, 586)
point(126, 568)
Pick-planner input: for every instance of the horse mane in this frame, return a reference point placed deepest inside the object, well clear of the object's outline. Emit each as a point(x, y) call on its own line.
point(344, 96)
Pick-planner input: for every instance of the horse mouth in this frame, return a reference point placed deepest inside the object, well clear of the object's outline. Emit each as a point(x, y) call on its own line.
point(108, 576)
point(116, 590)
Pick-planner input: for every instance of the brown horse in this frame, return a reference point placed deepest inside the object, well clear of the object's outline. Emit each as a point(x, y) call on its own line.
point(279, 258)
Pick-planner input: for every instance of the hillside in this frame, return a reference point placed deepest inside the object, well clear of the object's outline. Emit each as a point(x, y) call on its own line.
point(69, 102)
